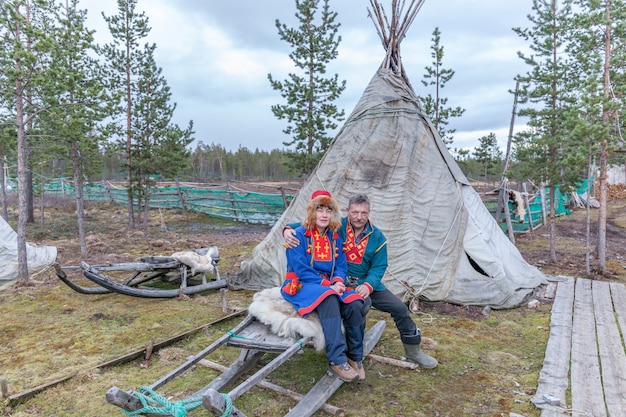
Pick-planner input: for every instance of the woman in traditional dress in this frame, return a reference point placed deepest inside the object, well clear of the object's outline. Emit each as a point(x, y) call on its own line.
point(315, 281)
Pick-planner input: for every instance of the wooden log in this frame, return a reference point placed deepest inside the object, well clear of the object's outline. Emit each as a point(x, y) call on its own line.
point(125, 400)
point(394, 362)
point(264, 383)
point(216, 404)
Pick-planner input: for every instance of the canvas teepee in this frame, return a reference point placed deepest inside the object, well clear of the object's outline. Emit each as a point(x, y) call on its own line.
point(38, 257)
point(443, 244)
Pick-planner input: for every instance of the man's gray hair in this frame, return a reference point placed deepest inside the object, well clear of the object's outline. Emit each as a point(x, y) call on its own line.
point(358, 199)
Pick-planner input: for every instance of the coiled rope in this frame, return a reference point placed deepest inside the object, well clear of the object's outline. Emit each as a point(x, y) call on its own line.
point(154, 403)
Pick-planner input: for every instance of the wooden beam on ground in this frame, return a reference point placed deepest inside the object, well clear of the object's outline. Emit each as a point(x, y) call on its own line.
point(18, 398)
point(391, 361)
point(553, 378)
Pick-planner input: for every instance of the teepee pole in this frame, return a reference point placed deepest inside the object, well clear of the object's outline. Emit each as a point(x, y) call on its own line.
point(391, 33)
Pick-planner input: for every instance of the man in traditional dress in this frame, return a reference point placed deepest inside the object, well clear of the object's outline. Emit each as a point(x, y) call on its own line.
point(315, 281)
point(366, 250)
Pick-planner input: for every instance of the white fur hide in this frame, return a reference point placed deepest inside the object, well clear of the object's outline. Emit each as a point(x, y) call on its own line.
point(270, 308)
point(200, 260)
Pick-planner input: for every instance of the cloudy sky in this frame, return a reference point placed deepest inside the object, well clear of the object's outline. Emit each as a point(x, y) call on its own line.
point(216, 56)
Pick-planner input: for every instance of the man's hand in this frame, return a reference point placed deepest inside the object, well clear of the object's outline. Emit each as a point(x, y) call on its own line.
point(290, 238)
point(362, 290)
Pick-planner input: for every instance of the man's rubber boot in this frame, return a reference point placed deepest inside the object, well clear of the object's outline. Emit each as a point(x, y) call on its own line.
point(414, 354)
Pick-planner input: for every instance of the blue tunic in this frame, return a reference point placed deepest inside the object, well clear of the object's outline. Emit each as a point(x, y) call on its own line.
point(316, 263)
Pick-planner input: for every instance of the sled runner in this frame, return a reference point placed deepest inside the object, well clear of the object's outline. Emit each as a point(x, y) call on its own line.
point(188, 269)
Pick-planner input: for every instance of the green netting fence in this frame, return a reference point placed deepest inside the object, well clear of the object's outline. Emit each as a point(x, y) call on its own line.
point(224, 201)
point(535, 208)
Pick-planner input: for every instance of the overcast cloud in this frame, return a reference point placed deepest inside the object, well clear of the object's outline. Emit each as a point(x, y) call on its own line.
point(216, 56)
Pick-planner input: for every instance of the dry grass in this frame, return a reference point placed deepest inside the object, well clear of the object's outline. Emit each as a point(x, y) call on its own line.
point(489, 366)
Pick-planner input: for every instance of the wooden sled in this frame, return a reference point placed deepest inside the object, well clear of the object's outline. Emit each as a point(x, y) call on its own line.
point(149, 268)
point(254, 339)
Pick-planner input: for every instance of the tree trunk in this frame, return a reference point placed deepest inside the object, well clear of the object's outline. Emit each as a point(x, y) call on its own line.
point(22, 168)
point(601, 243)
point(28, 185)
point(5, 210)
point(131, 211)
point(146, 206)
point(588, 220)
point(80, 202)
point(551, 223)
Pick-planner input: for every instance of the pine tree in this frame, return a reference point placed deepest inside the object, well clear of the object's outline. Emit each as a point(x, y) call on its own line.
point(310, 110)
point(488, 154)
point(74, 99)
point(435, 105)
point(123, 58)
point(599, 49)
point(159, 146)
point(546, 92)
point(25, 47)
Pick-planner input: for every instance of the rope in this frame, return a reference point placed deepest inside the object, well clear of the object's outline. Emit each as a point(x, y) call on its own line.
point(234, 335)
point(154, 403)
point(229, 406)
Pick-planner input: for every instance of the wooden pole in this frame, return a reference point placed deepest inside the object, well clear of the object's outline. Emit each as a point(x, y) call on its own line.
point(530, 214)
point(264, 383)
point(507, 157)
point(507, 216)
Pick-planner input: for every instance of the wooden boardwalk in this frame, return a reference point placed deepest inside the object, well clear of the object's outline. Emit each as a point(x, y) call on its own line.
point(584, 369)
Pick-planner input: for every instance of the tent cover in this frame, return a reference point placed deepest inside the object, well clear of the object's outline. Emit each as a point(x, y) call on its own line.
point(38, 257)
point(443, 243)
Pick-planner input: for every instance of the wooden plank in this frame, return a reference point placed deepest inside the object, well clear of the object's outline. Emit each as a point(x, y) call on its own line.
point(259, 336)
point(264, 383)
point(585, 365)
point(204, 352)
point(329, 383)
point(215, 402)
point(246, 361)
point(554, 413)
point(553, 378)
point(269, 368)
point(618, 294)
point(612, 356)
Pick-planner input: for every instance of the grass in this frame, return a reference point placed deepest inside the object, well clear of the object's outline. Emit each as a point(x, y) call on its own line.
point(489, 365)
